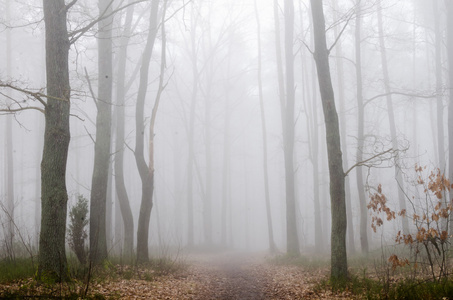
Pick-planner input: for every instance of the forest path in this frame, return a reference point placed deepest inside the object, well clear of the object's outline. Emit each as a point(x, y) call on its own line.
point(232, 276)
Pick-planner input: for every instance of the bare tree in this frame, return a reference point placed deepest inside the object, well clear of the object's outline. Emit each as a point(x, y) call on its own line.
point(288, 133)
point(146, 173)
point(272, 246)
point(339, 261)
point(54, 197)
point(360, 128)
point(99, 183)
point(123, 199)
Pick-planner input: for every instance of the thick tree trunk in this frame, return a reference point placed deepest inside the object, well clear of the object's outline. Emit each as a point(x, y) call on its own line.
point(391, 116)
point(123, 199)
point(360, 132)
point(272, 247)
point(339, 262)
point(292, 241)
point(54, 197)
point(145, 174)
point(98, 238)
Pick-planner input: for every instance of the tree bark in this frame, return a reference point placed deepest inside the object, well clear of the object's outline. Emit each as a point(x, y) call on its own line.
point(9, 161)
point(272, 247)
point(360, 132)
point(391, 116)
point(123, 199)
point(292, 243)
point(439, 95)
point(52, 257)
point(339, 262)
point(98, 238)
point(143, 169)
point(343, 134)
point(449, 5)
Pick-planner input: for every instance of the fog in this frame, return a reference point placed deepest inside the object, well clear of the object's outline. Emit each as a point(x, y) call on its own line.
point(219, 39)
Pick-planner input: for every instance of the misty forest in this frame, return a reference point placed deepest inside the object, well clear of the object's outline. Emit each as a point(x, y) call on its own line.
point(226, 149)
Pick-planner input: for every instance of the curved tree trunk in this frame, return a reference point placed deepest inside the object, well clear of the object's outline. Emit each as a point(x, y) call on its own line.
point(120, 186)
point(52, 257)
point(145, 175)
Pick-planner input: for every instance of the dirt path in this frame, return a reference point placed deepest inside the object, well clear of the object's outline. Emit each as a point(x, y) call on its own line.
point(233, 276)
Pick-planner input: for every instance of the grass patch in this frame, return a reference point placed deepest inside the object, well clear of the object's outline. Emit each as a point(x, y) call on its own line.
point(18, 269)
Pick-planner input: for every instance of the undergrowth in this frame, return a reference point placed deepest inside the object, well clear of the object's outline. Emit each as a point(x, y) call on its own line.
point(17, 277)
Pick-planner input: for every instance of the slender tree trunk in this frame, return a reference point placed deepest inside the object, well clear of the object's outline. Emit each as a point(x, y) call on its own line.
point(191, 157)
point(98, 238)
point(52, 256)
point(449, 5)
point(313, 129)
point(207, 203)
point(155, 108)
point(226, 170)
point(343, 134)
point(360, 132)
point(288, 133)
point(339, 262)
point(123, 199)
point(391, 116)
point(272, 247)
point(439, 94)
point(143, 169)
point(9, 161)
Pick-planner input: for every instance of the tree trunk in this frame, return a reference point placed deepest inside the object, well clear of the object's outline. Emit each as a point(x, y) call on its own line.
point(98, 238)
point(123, 199)
point(52, 257)
point(193, 104)
point(339, 262)
point(391, 116)
point(272, 247)
point(9, 161)
point(439, 94)
point(449, 5)
point(343, 134)
point(360, 132)
point(145, 174)
point(292, 242)
point(313, 133)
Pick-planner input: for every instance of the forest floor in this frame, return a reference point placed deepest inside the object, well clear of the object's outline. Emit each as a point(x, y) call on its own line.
point(229, 275)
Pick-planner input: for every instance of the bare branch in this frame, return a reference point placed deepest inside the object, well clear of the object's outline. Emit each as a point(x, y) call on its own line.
point(90, 87)
point(76, 34)
point(340, 34)
point(364, 162)
point(37, 95)
point(15, 110)
point(400, 93)
point(69, 5)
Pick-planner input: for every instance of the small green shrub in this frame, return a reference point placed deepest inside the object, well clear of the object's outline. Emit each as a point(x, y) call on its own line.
point(78, 220)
